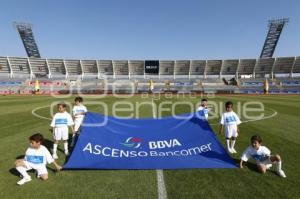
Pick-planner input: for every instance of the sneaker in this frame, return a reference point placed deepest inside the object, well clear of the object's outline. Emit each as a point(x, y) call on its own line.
point(281, 173)
point(233, 150)
point(23, 181)
point(67, 153)
point(55, 156)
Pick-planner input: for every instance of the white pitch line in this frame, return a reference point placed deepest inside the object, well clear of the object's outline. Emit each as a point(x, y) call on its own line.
point(33, 112)
point(267, 117)
point(161, 187)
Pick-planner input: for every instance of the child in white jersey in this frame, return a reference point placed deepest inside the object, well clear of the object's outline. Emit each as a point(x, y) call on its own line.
point(262, 156)
point(202, 110)
point(230, 122)
point(60, 123)
point(36, 157)
point(79, 111)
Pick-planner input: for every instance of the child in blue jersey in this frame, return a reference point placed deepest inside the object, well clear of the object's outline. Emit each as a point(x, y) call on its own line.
point(60, 123)
point(36, 157)
point(230, 122)
point(78, 112)
point(202, 110)
point(262, 156)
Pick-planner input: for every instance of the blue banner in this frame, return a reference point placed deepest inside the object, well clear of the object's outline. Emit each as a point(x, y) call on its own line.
point(165, 143)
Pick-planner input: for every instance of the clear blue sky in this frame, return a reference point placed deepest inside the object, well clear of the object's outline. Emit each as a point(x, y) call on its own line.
point(149, 29)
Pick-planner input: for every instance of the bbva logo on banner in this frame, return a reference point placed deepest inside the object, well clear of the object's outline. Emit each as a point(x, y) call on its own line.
point(133, 142)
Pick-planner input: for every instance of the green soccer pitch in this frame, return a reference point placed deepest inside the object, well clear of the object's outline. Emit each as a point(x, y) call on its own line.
point(22, 116)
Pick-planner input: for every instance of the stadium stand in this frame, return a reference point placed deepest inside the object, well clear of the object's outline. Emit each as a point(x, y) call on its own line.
point(5, 70)
point(56, 68)
point(95, 76)
point(182, 68)
point(283, 66)
point(20, 67)
point(263, 67)
point(197, 69)
point(166, 69)
point(246, 67)
point(136, 69)
point(229, 68)
point(105, 69)
point(213, 68)
point(89, 68)
point(73, 68)
point(296, 66)
point(38, 67)
point(120, 69)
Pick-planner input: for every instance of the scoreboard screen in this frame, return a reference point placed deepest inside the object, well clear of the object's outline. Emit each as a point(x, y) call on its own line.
point(152, 66)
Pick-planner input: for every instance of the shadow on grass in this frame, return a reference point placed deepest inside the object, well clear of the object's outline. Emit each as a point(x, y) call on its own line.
point(49, 145)
point(253, 167)
point(249, 165)
point(20, 157)
point(71, 148)
point(14, 171)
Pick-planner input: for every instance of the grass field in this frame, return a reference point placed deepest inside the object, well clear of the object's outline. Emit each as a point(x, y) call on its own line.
point(280, 133)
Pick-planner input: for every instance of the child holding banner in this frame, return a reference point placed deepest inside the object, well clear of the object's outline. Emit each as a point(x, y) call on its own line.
point(36, 157)
point(60, 123)
point(203, 110)
point(230, 122)
point(79, 111)
point(262, 156)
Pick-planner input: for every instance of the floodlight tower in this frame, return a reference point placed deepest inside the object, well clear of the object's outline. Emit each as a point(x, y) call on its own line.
point(26, 34)
point(275, 29)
